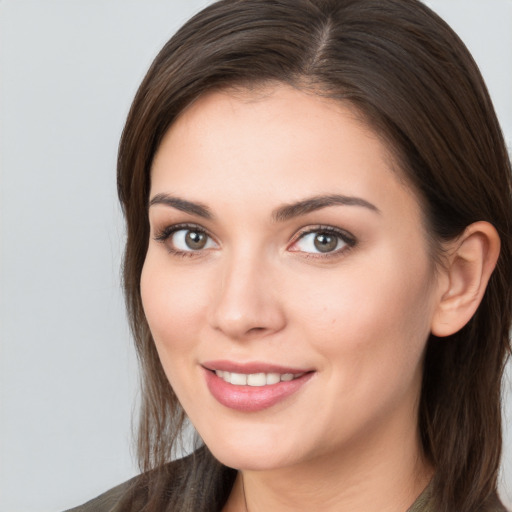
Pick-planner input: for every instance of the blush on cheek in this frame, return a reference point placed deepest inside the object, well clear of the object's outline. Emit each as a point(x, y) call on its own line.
point(168, 294)
point(171, 303)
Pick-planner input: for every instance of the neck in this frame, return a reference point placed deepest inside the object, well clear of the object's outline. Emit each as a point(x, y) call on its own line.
point(381, 474)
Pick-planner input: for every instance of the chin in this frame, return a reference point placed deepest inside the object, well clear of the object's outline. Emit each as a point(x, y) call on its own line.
point(249, 461)
point(251, 456)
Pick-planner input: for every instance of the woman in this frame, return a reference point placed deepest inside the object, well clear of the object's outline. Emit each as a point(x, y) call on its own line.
point(318, 263)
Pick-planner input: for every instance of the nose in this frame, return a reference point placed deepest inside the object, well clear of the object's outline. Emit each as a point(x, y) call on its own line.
point(246, 302)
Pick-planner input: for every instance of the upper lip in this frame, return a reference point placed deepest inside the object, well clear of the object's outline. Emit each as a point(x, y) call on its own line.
point(251, 367)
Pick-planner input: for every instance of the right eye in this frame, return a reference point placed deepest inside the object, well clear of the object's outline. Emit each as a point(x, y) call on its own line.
point(186, 239)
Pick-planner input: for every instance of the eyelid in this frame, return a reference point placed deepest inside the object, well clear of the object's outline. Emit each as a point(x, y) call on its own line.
point(164, 234)
point(349, 239)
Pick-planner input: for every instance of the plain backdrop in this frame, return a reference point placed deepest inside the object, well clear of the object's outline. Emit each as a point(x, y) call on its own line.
point(68, 377)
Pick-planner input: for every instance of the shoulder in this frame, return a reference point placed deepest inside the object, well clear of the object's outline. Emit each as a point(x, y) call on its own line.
point(426, 503)
point(106, 502)
point(134, 493)
point(198, 480)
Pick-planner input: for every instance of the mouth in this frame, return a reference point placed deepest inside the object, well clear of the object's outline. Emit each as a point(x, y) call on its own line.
point(256, 379)
point(252, 387)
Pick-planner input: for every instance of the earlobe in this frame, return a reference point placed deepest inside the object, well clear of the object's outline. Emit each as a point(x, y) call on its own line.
point(471, 261)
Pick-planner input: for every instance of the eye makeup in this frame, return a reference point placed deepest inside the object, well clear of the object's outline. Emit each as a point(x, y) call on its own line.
point(321, 241)
point(185, 239)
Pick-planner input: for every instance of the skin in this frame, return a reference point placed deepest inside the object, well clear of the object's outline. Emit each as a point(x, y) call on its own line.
point(358, 316)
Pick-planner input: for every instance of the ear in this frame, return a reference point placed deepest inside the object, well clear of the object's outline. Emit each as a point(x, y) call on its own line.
point(470, 263)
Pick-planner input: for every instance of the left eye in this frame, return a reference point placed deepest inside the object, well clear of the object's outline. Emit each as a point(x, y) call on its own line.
point(320, 242)
point(187, 240)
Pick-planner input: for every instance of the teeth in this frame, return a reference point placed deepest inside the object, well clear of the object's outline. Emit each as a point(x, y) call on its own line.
point(238, 379)
point(255, 379)
point(273, 378)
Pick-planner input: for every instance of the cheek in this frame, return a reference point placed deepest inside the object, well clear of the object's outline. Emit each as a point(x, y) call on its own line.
point(174, 304)
point(376, 315)
point(371, 334)
point(172, 300)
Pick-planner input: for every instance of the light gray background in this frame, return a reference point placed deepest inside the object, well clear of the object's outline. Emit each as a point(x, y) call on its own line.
point(68, 379)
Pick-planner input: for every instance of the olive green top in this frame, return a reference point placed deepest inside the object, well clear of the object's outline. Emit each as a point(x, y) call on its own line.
point(110, 501)
point(114, 500)
point(422, 502)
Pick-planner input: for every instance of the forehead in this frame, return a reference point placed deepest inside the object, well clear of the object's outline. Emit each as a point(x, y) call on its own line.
point(275, 143)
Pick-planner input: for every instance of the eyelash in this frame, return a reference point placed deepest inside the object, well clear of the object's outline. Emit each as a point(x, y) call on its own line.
point(346, 237)
point(163, 236)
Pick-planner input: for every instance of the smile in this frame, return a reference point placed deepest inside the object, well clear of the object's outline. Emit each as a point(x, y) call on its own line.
point(255, 379)
point(253, 387)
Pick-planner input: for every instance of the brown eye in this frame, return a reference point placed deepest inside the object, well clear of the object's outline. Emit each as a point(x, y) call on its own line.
point(325, 242)
point(195, 240)
point(189, 240)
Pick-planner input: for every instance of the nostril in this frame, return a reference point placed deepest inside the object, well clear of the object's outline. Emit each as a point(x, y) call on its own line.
point(256, 329)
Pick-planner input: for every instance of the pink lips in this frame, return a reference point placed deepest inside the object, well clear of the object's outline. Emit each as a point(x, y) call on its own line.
point(250, 398)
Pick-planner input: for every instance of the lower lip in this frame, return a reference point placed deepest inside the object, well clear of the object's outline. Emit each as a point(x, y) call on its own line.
point(252, 398)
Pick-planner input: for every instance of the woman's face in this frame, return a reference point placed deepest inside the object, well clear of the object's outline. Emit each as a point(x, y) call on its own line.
point(287, 284)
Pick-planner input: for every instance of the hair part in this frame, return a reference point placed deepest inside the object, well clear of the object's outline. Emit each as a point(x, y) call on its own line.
point(417, 86)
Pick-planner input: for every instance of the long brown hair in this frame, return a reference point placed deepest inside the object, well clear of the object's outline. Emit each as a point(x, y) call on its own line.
point(416, 84)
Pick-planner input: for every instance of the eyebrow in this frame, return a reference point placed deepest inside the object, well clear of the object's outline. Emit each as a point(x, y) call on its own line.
point(312, 204)
point(183, 205)
point(281, 214)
